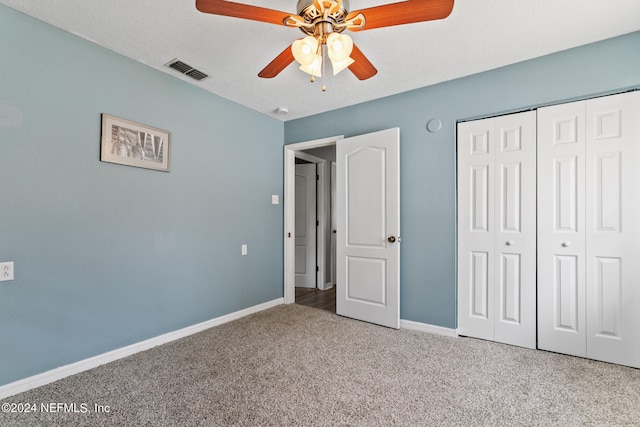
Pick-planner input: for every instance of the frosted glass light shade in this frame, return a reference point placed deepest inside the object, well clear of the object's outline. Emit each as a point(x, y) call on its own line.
point(341, 65)
point(339, 46)
point(315, 68)
point(304, 51)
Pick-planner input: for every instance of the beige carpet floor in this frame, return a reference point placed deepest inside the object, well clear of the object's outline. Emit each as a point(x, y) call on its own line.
point(300, 366)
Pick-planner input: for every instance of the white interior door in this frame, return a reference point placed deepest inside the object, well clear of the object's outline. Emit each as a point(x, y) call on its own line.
point(561, 229)
point(305, 229)
point(613, 228)
point(497, 229)
point(368, 237)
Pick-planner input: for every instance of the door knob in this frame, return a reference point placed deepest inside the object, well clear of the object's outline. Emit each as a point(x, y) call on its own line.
point(565, 244)
point(509, 242)
point(391, 239)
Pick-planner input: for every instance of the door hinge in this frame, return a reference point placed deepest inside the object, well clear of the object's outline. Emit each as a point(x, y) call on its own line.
point(317, 223)
point(317, 268)
point(317, 177)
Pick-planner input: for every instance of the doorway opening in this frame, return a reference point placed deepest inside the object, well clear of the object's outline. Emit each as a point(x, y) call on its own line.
point(368, 224)
point(315, 246)
point(317, 291)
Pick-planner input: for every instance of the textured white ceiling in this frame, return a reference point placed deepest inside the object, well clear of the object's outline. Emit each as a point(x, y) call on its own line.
point(477, 36)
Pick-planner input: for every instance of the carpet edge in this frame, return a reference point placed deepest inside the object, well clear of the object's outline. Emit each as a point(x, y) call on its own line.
point(425, 327)
point(64, 371)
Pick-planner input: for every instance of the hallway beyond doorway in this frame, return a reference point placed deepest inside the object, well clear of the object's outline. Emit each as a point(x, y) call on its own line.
point(316, 298)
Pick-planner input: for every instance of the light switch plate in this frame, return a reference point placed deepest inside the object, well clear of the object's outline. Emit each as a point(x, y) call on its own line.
point(275, 199)
point(244, 249)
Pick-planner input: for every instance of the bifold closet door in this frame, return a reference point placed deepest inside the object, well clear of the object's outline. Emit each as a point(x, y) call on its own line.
point(613, 228)
point(561, 229)
point(497, 229)
point(589, 228)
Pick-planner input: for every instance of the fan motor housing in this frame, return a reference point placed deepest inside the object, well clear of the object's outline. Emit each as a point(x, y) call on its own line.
point(308, 11)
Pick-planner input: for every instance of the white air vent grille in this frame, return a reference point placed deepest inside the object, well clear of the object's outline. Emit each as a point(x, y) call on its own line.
point(187, 69)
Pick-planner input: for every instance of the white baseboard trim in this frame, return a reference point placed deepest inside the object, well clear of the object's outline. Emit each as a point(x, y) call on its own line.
point(327, 286)
point(93, 362)
point(424, 327)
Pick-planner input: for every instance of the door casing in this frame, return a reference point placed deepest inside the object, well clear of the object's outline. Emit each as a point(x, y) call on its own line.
point(292, 151)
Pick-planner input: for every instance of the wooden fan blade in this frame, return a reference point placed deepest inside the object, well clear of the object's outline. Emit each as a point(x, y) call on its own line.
point(278, 64)
point(362, 67)
point(404, 12)
point(239, 10)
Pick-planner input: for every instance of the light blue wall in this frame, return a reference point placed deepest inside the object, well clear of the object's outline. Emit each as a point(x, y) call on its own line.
point(108, 255)
point(428, 188)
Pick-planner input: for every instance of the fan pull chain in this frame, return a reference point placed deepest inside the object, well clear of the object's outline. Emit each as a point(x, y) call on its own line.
point(324, 68)
point(318, 51)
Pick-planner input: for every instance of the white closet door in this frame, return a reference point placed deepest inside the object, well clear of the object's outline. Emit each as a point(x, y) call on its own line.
point(561, 229)
point(497, 229)
point(589, 229)
point(613, 228)
point(515, 229)
point(475, 229)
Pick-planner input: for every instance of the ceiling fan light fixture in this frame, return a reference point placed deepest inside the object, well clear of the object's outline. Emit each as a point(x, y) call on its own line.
point(314, 68)
point(339, 46)
point(305, 50)
point(341, 65)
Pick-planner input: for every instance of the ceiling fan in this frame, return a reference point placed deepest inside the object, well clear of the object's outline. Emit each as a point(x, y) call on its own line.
point(323, 21)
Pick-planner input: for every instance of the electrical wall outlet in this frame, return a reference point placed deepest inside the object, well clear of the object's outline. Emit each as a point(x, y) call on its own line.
point(6, 271)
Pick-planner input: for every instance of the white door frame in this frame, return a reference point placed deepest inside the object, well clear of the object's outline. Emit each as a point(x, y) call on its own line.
point(292, 151)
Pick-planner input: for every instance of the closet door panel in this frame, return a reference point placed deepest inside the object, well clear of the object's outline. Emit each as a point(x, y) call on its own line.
point(613, 228)
point(561, 229)
point(515, 229)
point(496, 229)
point(475, 229)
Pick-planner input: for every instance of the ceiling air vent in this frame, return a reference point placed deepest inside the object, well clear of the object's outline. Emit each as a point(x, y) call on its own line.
point(187, 69)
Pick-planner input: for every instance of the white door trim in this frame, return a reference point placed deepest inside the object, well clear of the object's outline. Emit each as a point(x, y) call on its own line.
point(290, 153)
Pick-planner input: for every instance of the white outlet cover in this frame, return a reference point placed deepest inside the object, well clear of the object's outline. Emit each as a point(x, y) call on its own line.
point(6, 271)
point(275, 199)
point(244, 249)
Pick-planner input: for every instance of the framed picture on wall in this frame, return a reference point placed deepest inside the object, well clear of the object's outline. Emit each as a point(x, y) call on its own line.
point(133, 144)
